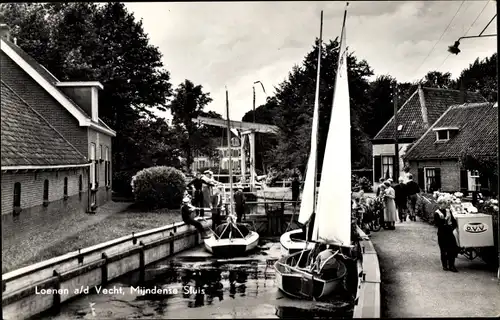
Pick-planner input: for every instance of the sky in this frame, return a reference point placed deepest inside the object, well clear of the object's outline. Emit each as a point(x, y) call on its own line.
point(234, 44)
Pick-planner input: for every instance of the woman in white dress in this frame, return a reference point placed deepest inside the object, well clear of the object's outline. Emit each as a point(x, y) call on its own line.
point(390, 212)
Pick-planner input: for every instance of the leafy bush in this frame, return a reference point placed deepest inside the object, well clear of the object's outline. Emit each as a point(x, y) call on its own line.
point(490, 255)
point(361, 184)
point(159, 187)
point(274, 176)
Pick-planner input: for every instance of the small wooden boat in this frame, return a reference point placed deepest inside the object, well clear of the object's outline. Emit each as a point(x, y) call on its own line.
point(296, 280)
point(232, 239)
point(326, 214)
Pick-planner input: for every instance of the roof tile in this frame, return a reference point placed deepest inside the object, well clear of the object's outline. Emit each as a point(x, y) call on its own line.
point(477, 123)
point(410, 117)
point(28, 139)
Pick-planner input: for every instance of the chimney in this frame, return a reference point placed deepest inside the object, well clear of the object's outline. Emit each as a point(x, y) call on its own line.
point(463, 92)
point(4, 32)
point(423, 107)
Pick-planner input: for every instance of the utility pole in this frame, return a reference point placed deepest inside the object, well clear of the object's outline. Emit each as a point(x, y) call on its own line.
point(395, 93)
point(498, 159)
point(253, 87)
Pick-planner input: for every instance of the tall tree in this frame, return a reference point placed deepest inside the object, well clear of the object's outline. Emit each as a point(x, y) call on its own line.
point(481, 75)
point(188, 103)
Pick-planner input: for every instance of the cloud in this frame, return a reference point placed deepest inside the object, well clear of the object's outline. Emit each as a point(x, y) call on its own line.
point(218, 43)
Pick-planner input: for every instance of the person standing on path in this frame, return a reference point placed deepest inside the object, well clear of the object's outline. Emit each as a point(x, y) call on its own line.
point(187, 210)
point(446, 223)
point(412, 190)
point(197, 185)
point(406, 175)
point(381, 187)
point(401, 199)
point(239, 203)
point(295, 189)
point(390, 214)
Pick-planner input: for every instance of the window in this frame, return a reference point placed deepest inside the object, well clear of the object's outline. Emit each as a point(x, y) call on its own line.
point(65, 189)
point(80, 183)
point(46, 192)
point(102, 154)
point(432, 179)
point(17, 197)
point(387, 166)
point(442, 135)
point(93, 171)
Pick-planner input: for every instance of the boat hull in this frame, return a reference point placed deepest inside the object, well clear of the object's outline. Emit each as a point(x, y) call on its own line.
point(226, 247)
point(294, 241)
point(305, 285)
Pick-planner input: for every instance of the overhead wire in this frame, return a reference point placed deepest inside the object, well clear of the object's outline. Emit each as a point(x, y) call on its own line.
point(475, 20)
point(441, 37)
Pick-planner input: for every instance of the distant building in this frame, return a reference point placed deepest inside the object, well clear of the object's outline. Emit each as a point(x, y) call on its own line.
point(415, 117)
point(54, 145)
point(435, 156)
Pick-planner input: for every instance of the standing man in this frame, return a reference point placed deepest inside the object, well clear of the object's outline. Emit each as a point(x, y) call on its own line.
point(412, 190)
point(216, 206)
point(239, 203)
point(197, 184)
point(401, 199)
point(295, 189)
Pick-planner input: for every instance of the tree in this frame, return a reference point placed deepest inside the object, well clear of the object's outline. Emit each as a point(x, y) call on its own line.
point(187, 104)
point(437, 79)
point(89, 42)
point(482, 76)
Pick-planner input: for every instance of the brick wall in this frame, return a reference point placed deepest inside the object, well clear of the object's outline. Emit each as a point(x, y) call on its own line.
point(101, 139)
point(42, 101)
point(450, 172)
point(32, 187)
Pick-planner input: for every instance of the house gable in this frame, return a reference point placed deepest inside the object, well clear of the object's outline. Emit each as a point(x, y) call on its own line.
point(49, 83)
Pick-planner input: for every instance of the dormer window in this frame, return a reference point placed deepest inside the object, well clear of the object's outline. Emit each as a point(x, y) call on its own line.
point(445, 134)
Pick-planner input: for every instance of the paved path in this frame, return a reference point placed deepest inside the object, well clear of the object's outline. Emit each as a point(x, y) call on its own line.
point(27, 237)
point(414, 284)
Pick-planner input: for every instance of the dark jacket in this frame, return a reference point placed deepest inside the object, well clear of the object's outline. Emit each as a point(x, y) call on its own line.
point(198, 183)
point(295, 186)
point(412, 188)
point(401, 195)
point(239, 199)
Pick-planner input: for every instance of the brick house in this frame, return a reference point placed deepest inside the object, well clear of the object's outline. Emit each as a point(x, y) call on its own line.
point(435, 156)
point(415, 117)
point(54, 146)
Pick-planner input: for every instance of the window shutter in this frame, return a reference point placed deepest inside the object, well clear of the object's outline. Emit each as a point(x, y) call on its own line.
point(420, 178)
point(377, 167)
point(437, 173)
point(464, 182)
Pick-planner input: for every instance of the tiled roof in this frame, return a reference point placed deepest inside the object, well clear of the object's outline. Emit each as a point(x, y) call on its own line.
point(437, 101)
point(477, 133)
point(41, 70)
point(28, 139)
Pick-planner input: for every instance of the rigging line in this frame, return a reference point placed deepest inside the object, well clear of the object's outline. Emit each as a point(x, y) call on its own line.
point(477, 18)
point(442, 34)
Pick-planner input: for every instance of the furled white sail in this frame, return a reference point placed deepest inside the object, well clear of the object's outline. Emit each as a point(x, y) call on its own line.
point(333, 217)
point(308, 201)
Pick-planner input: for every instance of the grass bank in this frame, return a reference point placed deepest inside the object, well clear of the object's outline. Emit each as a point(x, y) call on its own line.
point(114, 226)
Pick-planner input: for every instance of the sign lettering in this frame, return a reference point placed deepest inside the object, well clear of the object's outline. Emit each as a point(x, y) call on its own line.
point(475, 227)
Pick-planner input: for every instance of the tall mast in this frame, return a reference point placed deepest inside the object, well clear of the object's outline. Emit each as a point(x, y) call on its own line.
point(230, 151)
point(315, 125)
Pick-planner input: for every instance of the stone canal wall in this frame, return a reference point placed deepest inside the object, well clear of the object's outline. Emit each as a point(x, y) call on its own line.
point(368, 299)
point(44, 286)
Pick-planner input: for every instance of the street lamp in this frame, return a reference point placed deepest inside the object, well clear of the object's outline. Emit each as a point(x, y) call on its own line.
point(253, 87)
point(454, 49)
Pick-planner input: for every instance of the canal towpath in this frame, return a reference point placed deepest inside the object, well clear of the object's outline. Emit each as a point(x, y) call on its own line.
point(415, 285)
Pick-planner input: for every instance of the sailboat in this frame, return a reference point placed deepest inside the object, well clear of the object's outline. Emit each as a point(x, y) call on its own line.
point(297, 240)
point(231, 238)
point(332, 210)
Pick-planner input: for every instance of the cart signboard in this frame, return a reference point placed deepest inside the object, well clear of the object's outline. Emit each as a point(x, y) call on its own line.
point(474, 230)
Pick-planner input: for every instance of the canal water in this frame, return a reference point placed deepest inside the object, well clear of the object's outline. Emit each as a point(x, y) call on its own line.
point(195, 285)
